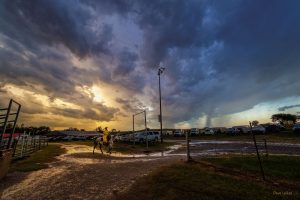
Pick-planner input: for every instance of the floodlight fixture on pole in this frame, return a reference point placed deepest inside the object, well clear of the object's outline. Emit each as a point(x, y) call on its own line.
point(160, 71)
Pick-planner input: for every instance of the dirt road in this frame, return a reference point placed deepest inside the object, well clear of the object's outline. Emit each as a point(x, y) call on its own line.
point(79, 174)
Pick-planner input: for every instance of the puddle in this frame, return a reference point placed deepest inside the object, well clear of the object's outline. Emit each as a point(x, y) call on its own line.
point(82, 154)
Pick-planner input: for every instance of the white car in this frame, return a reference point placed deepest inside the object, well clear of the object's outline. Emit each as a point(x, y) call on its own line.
point(194, 131)
point(151, 136)
point(209, 131)
point(178, 132)
point(232, 131)
point(68, 138)
point(242, 129)
point(124, 138)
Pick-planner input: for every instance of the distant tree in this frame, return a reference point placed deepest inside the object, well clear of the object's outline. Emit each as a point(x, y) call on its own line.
point(284, 119)
point(42, 130)
point(72, 129)
point(82, 129)
point(255, 123)
point(99, 129)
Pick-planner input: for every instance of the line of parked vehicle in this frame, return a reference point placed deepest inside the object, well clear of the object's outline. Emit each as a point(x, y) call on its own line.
point(70, 138)
point(296, 128)
point(139, 137)
point(154, 136)
point(235, 130)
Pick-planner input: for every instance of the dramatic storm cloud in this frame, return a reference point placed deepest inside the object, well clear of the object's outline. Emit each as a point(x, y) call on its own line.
point(92, 62)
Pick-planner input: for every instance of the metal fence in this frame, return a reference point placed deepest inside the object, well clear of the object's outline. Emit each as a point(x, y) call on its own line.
point(25, 145)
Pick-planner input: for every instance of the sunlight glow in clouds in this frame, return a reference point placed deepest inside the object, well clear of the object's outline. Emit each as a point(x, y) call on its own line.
point(97, 94)
point(89, 63)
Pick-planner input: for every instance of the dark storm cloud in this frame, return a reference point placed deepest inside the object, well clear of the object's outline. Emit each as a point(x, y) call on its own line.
point(33, 27)
point(221, 57)
point(33, 23)
point(32, 57)
point(99, 114)
point(288, 107)
point(126, 64)
point(132, 105)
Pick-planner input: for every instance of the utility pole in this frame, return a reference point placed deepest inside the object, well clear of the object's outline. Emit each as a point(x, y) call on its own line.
point(160, 71)
point(133, 129)
point(146, 129)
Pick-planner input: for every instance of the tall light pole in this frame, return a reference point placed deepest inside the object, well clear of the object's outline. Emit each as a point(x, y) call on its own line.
point(160, 71)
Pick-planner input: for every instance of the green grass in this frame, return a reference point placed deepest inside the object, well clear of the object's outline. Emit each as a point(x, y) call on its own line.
point(37, 160)
point(192, 181)
point(279, 167)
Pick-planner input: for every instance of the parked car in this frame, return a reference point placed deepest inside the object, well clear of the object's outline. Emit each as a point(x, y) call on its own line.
point(209, 131)
point(91, 137)
point(167, 133)
point(194, 131)
point(139, 137)
point(296, 128)
point(68, 138)
point(156, 136)
point(117, 138)
point(232, 131)
point(242, 129)
point(272, 128)
point(125, 138)
point(178, 132)
point(55, 138)
point(151, 136)
point(80, 137)
point(258, 129)
point(219, 130)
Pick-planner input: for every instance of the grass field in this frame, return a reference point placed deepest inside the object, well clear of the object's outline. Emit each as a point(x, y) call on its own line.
point(192, 181)
point(234, 177)
point(278, 167)
point(37, 160)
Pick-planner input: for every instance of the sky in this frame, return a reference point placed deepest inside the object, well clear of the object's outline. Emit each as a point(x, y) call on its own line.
point(90, 63)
